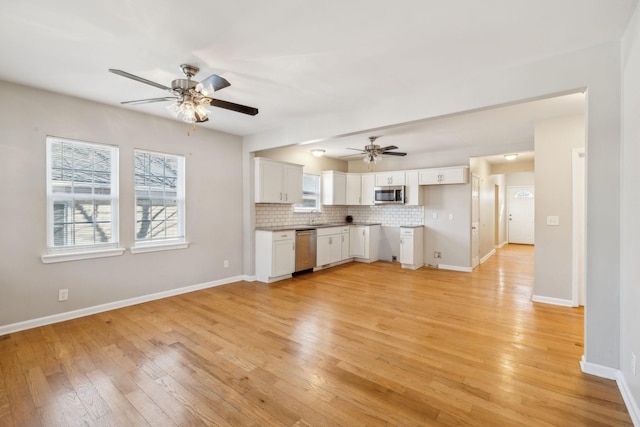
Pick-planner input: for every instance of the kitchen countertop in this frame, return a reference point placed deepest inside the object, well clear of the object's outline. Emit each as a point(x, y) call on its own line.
point(411, 226)
point(311, 227)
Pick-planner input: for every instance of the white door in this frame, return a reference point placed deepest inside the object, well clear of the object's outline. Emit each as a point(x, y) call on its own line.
point(406, 250)
point(521, 214)
point(475, 221)
point(357, 242)
point(284, 258)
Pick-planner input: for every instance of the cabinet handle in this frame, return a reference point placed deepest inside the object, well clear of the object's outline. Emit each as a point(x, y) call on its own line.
point(293, 246)
point(281, 196)
point(286, 197)
point(401, 242)
point(342, 239)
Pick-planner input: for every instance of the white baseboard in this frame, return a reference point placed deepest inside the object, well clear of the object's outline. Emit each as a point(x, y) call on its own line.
point(455, 268)
point(629, 401)
point(498, 246)
point(614, 374)
point(61, 317)
point(598, 370)
point(247, 278)
point(487, 256)
point(554, 301)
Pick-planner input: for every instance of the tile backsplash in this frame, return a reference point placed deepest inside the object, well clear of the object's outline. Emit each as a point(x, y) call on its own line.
point(275, 215)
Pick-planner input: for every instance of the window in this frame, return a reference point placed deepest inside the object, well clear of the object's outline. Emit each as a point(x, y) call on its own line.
point(310, 194)
point(82, 197)
point(160, 202)
point(524, 194)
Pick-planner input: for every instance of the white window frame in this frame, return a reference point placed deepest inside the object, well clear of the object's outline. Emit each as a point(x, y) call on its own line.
point(298, 208)
point(163, 244)
point(85, 251)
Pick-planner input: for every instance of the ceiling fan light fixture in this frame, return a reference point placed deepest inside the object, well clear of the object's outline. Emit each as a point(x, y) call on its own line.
point(318, 152)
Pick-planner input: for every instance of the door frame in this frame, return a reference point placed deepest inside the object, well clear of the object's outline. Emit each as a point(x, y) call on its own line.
point(578, 185)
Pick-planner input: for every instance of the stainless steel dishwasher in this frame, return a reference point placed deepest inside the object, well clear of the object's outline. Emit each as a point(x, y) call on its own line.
point(305, 249)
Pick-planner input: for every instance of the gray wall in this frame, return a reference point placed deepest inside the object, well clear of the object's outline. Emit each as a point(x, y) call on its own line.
point(554, 141)
point(29, 288)
point(630, 251)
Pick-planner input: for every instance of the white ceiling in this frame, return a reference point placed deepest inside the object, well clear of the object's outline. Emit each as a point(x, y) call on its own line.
point(293, 59)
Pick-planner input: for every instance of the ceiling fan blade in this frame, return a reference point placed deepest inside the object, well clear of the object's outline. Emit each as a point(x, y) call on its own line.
point(393, 153)
point(391, 147)
point(150, 100)
point(139, 79)
point(357, 149)
point(230, 106)
point(211, 84)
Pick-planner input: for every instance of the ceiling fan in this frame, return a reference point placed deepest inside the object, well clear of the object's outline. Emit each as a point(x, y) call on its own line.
point(373, 151)
point(190, 96)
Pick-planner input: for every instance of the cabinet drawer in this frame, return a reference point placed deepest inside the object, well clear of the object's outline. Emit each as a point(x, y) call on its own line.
point(326, 231)
point(406, 232)
point(283, 235)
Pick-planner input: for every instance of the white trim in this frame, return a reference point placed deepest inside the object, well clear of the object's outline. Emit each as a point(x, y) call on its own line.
point(76, 256)
point(627, 396)
point(141, 249)
point(576, 155)
point(61, 317)
point(455, 268)
point(487, 256)
point(501, 245)
point(598, 370)
point(248, 278)
point(554, 301)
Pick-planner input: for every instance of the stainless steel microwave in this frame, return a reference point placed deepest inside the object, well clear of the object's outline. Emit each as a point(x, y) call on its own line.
point(388, 195)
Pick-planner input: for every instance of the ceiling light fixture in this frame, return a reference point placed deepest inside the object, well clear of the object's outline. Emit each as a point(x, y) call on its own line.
point(372, 157)
point(510, 156)
point(190, 110)
point(318, 152)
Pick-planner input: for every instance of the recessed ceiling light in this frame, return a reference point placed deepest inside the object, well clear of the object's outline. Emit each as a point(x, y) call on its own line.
point(318, 152)
point(510, 156)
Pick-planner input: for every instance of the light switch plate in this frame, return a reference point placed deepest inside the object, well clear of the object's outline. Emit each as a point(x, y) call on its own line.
point(553, 220)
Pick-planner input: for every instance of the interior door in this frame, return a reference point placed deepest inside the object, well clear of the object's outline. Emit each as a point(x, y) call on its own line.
point(521, 214)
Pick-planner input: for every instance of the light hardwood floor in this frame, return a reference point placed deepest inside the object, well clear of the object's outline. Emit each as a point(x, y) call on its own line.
point(353, 345)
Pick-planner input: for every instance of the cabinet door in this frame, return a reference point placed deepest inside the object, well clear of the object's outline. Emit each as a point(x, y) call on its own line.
point(334, 188)
point(368, 184)
point(357, 241)
point(354, 189)
point(292, 183)
point(284, 258)
point(268, 182)
point(413, 192)
point(323, 253)
point(344, 246)
point(406, 250)
point(335, 247)
point(429, 177)
point(390, 178)
point(455, 176)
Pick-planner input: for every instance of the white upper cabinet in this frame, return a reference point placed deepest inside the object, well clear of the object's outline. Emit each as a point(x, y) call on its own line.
point(334, 188)
point(390, 178)
point(277, 182)
point(368, 184)
point(354, 189)
point(451, 175)
point(413, 192)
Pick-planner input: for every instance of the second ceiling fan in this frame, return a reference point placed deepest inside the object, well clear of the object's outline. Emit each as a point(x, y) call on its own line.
point(373, 152)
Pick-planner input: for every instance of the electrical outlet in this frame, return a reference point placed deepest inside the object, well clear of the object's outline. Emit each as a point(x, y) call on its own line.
point(394, 258)
point(226, 263)
point(633, 363)
point(63, 294)
point(437, 254)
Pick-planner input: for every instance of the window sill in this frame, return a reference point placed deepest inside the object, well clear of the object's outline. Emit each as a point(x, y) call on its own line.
point(76, 256)
point(141, 249)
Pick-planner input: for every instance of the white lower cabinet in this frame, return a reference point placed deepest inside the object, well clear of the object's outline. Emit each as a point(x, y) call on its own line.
point(275, 255)
point(411, 247)
point(333, 245)
point(364, 242)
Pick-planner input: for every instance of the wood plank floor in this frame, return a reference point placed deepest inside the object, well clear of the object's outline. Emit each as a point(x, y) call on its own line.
point(353, 345)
